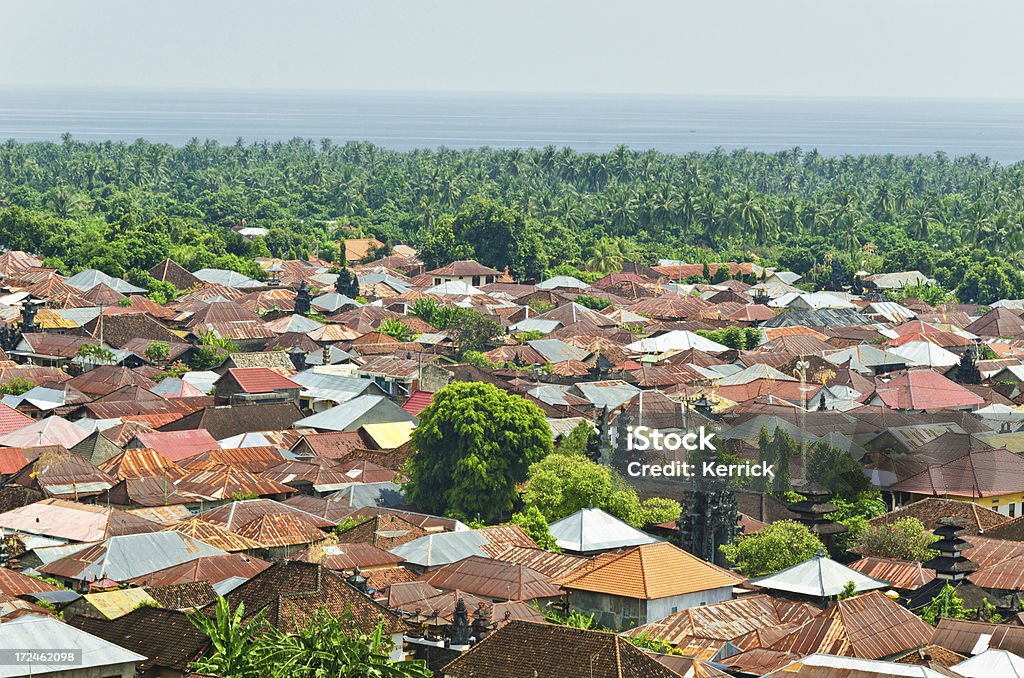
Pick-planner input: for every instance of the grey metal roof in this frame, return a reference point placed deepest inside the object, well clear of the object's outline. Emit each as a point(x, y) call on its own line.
point(90, 278)
point(343, 416)
point(218, 276)
point(333, 387)
point(556, 350)
point(536, 325)
point(334, 356)
point(79, 316)
point(332, 301)
point(562, 281)
point(820, 577)
point(361, 495)
point(591, 529)
point(442, 548)
point(32, 632)
point(203, 380)
point(610, 393)
point(129, 556)
point(822, 317)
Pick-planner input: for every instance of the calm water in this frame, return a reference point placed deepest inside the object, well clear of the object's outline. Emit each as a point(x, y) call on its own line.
point(587, 123)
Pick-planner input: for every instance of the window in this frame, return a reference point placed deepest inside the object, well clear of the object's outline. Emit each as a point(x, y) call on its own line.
point(476, 280)
point(1013, 510)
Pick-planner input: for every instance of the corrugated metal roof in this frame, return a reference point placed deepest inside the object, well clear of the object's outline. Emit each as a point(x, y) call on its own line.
point(45, 633)
point(130, 556)
point(114, 604)
point(392, 435)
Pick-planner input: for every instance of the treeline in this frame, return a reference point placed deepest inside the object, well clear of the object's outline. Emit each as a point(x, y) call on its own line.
point(120, 206)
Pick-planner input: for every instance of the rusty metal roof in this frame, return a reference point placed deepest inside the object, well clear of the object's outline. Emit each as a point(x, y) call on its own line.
point(212, 569)
point(869, 626)
point(901, 574)
point(494, 579)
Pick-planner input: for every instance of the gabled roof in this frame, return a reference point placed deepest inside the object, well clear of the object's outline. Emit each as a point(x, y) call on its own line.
point(289, 592)
point(463, 268)
point(260, 380)
point(819, 577)
point(868, 626)
point(167, 637)
point(90, 278)
point(931, 510)
point(129, 556)
point(676, 340)
point(33, 633)
point(651, 571)
point(494, 579)
point(591, 529)
point(352, 413)
point(74, 521)
point(925, 390)
point(524, 648)
point(979, 473)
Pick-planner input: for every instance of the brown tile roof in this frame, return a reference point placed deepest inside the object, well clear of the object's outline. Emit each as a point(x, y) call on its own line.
point(869, 626)
point(931, 509)
point(121, 328)
point(652, 571)
point(463, 268)
point(524, 648)
point(165, 637)
point(334, 445)
point(172, 272)
point(183, 596)
point(289, 592)
point(979, 473)
point(930, 655)
point(382, 531)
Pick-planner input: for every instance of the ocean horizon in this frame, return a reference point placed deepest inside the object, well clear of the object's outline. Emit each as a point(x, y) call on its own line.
point(404, 121)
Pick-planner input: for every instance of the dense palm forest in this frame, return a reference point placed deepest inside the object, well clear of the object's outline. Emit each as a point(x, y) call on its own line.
point(123, 207)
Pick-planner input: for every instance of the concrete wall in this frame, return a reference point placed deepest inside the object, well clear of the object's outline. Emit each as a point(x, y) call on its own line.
point(663, 607)
point(623, 613)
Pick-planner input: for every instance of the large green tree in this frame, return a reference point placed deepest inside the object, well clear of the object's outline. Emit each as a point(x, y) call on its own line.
point(474, 444)
point(782, 544)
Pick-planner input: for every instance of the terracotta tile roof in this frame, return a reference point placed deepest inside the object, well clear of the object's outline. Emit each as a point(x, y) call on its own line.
point(653, 571)
point(12, 420)
point(357, 249)
point(869, 626)
point(382, 531)
point(524, 648)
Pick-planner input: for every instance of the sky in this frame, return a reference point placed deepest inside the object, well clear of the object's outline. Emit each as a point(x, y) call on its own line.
point(859, 48)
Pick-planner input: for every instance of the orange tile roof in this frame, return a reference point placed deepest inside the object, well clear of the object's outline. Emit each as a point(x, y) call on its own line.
point(653, 571)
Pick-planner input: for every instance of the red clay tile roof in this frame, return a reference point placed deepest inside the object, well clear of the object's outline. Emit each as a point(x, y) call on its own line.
point(11, 419)
point(261, 380)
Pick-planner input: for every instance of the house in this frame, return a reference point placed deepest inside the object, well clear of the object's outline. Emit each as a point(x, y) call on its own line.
point(35, 634)
point(465, 271)
point(255, 384)
point(69, 521)
point(493, 579)
point(646, 583)
point(400, 378)
point(361, 249)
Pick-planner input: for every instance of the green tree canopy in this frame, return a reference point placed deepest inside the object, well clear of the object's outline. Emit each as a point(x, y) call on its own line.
point(903, 539)
point(780, 545)
point(474, 444)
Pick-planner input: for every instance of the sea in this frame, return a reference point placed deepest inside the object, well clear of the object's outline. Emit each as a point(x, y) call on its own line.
point(590, 123)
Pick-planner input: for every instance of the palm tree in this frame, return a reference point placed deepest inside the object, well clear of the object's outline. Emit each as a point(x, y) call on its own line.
point(605, 257)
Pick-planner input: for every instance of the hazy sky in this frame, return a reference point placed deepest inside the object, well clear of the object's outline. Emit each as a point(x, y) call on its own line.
point(944, 48)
